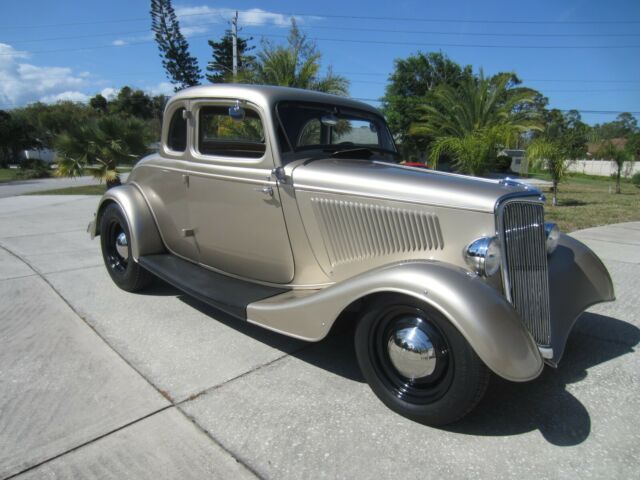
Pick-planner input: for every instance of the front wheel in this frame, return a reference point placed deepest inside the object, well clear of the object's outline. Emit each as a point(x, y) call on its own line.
point(417, 362)
point(115, 240)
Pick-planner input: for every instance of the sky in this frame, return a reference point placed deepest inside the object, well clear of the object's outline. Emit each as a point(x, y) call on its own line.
point(581, 54)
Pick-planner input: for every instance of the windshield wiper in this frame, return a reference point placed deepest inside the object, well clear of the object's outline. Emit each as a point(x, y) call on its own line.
point(358, 152)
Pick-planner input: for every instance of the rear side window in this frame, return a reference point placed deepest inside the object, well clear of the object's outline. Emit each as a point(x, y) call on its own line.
point(177, 138)
point(219, 134)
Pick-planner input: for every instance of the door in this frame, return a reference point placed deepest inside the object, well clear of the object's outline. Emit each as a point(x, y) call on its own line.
point(164, 182)
point(234, 202)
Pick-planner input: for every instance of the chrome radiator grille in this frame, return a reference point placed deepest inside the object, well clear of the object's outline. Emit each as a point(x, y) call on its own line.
point(526, 275)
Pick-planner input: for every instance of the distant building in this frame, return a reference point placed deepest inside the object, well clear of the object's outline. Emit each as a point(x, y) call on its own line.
point(44, 154)
point(519, 162)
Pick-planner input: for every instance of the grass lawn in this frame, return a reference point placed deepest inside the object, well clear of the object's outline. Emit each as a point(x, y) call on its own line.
point(8, 174)
point(84, 190)
point(587, 201)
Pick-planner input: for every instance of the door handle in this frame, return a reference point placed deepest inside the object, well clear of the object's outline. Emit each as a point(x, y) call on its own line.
point(266, 189)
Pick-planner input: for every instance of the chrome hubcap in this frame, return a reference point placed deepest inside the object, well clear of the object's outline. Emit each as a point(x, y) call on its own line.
point(412, 353)
point(122, 245)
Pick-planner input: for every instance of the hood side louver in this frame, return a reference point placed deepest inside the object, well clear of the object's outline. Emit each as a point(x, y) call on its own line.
point(354, 231)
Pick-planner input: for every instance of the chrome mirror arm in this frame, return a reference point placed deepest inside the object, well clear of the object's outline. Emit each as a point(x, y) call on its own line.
point(280, 174)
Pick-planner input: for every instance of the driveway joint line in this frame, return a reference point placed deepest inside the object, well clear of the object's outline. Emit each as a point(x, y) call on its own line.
point(88, 442)
point(18, 277)
point(172, 403)
point(46, 280)
point(228, 451)
point(586, 237)
point(242, 375)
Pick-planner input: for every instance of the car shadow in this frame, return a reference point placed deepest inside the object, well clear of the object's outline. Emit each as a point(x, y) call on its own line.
point(545, 404)
point(508, 408)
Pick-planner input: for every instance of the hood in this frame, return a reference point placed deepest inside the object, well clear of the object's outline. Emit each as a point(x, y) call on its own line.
point(402, 183)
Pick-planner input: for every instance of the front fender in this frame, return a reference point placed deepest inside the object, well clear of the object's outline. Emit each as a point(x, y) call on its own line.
point(577, 280)
point(482, 315)
point(145, 237)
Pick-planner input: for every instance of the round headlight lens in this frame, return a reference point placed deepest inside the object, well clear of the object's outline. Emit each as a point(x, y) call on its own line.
point(553, 236)
point(484, 256)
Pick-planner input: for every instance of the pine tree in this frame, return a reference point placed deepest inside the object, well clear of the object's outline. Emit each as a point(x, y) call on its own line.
point(181, 67)
point(221, 65)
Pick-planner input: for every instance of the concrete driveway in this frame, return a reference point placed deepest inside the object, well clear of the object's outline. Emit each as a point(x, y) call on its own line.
point(99, 383)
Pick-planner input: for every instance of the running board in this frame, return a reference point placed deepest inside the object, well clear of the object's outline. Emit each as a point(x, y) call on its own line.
point(225, 293)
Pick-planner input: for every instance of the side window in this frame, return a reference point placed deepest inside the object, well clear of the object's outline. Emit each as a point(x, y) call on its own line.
point(219, 134)
point(177, 137)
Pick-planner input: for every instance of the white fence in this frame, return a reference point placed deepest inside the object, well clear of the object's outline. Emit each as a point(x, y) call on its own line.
point(603, 168)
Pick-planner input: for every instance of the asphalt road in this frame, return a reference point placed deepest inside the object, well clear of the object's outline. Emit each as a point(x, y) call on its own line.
point(99, 383)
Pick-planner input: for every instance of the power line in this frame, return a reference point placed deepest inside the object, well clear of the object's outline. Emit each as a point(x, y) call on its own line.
point(350, 29)
point(465, 45)
point(369, 82)
point(354, 17)
point(362, 41)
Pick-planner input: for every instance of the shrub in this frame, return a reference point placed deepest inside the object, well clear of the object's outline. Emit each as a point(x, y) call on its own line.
point(636, 179)
point(33, 168)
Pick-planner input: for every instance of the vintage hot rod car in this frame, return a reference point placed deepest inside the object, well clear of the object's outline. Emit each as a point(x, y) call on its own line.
point(287, 208)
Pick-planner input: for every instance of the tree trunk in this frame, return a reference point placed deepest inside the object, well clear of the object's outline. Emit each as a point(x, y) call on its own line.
point(618, 179)
point(554, 199)
point(114, 183)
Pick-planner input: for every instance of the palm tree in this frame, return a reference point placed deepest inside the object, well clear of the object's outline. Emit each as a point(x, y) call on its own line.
point(296, 65)
point(551, 156)
point(469, 152)
point(480, 108)
point(609, 151)
point(99, 147)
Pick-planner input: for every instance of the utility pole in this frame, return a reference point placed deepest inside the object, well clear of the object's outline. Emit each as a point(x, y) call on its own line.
point(234, 34)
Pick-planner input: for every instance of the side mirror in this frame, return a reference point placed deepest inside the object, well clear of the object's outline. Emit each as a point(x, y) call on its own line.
point(329, 120)
point(237, 112)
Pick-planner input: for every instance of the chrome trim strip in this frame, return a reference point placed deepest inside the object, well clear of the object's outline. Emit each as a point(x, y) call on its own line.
point(195, 173)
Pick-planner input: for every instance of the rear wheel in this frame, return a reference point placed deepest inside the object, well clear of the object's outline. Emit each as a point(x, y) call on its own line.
point(115, 240)
point(417, 362)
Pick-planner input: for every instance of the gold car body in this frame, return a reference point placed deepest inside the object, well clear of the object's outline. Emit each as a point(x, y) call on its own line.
point(335, 231)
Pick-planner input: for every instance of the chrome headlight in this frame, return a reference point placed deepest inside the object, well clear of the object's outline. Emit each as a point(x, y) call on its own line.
point(483, 255)
point(552, 232)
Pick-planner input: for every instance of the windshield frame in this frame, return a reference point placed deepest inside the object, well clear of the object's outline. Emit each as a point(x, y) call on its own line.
point(288, 149)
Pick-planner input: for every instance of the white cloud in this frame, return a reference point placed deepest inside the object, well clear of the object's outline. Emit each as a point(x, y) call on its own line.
point(119, 42)
point(162, 88)
point(109, 92)
point(22, 82)
point(192, 18)
point(66, 96)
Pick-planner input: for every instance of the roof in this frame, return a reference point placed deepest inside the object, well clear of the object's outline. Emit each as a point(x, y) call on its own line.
point(267, 95)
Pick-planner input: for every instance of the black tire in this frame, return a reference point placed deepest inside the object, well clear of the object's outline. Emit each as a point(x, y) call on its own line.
point(124, 271)
point(456, 383)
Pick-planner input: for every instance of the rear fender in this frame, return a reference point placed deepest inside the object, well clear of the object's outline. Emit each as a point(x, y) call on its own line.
point(145, 237)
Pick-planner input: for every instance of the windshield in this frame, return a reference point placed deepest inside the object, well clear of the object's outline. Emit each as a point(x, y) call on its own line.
point(331, 128)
